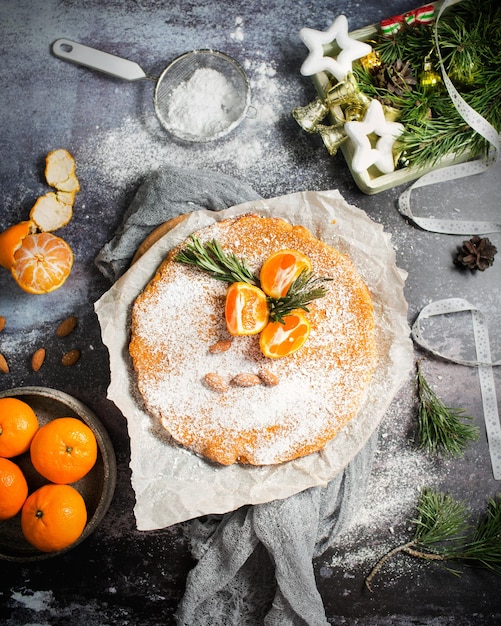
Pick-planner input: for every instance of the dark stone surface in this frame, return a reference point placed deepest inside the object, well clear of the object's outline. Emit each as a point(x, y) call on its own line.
point(123, 576)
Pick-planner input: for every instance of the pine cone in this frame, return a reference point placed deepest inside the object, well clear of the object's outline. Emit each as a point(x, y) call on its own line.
point(476, 254)
point(396, 79)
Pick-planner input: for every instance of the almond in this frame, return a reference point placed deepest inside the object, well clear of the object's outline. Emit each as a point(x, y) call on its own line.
point(268, 378)
point(71, 357)
point(37, 359)
point(2, 323)
point(220, 346)
point(4, 366)
point(246, 380)
point(66, 326)
point(216, 382)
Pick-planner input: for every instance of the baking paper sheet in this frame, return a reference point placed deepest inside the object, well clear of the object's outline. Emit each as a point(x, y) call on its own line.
point(171, 483)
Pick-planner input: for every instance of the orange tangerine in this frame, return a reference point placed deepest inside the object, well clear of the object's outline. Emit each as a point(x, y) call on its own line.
point(53, 517)
point(13, 489)
point(11, 239)
point(280, 270)
point(64, 450)
point(18, 425)
point(42, 263)
point(278, 340)
point(246, 309)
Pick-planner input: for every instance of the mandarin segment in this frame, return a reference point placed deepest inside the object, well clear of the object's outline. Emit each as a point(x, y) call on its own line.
point(53, 517)
point(278, 340)
point(13, 489)
point(42, 263)
point(280, 270)
point(18, 425)
point(246, 309)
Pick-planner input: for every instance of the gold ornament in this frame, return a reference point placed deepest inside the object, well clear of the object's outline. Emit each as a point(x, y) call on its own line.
point(342, 92)
point(371, 61)
point(309, 115)
point(429, 80)
point(355, 111)
point(332, 136)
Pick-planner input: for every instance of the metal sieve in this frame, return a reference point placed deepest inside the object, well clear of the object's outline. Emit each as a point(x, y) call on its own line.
point(211, 111)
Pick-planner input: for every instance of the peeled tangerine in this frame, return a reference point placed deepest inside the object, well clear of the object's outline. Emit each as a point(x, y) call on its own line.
point(42, 263)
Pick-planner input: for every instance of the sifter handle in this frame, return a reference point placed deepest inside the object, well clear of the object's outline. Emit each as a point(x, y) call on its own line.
point(97, 60)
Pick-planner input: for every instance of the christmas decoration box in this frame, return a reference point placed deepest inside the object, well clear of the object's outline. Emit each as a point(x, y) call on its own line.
point(372, 179)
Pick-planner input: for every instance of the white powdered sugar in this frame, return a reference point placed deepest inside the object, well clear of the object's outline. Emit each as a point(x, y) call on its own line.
point(320, 387)
point(204, 105)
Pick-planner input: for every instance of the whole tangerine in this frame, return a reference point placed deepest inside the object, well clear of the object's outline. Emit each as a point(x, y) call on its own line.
point(64, 450)
point(53, 517)
point(13, 489)
point(18, 425)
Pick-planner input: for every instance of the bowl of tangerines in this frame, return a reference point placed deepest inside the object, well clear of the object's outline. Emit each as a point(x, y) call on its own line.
point(57, 473)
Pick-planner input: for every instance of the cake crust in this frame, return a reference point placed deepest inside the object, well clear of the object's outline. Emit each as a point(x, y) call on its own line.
point(179, 317)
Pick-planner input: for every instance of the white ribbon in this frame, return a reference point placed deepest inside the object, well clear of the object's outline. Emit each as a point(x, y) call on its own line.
point(484, 364)
point(483, 128)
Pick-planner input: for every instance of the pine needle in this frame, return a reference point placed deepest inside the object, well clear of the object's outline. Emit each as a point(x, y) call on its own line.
point(441, 429)
point(443, 532)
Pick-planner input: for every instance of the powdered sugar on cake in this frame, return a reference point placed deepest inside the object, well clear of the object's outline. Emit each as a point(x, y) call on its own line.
point(181, 314)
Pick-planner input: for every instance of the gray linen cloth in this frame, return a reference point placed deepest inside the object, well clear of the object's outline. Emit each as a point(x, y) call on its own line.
point(254, 565)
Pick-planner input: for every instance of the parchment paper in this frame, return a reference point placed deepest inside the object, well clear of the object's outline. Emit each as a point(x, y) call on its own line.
point(173, 484)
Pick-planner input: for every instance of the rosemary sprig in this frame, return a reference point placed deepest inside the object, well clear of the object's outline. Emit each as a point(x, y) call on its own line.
point(301, 293)
point(443, 532)
point(441, 428)
point(225, 266)
point(221, 265)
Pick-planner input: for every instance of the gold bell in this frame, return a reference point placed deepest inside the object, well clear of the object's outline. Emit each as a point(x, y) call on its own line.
point(355, 111)
point(342, 92)
point(309, 115)
point(332, 136)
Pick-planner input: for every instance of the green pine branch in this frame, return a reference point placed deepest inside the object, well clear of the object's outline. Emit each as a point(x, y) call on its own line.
point(443, 532)
point(441, 429)
point(434, 129)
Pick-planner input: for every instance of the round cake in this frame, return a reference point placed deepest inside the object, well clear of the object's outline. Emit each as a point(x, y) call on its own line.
point(218, 395)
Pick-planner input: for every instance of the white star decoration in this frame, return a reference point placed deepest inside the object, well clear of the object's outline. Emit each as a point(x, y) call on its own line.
point(365, 155)
point(351, 49)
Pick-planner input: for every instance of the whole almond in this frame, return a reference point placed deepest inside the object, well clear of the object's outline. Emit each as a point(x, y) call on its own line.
point(216, 382)
point(246, 380)
point(4, 366)
point(71, 357)
point(2, 323)
point(66, 326)
point(37, 359)
point(220, 346)
point(268, 378)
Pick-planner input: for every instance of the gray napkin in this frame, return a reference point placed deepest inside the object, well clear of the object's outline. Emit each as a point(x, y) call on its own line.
point(167, 193)
point(255, 564)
